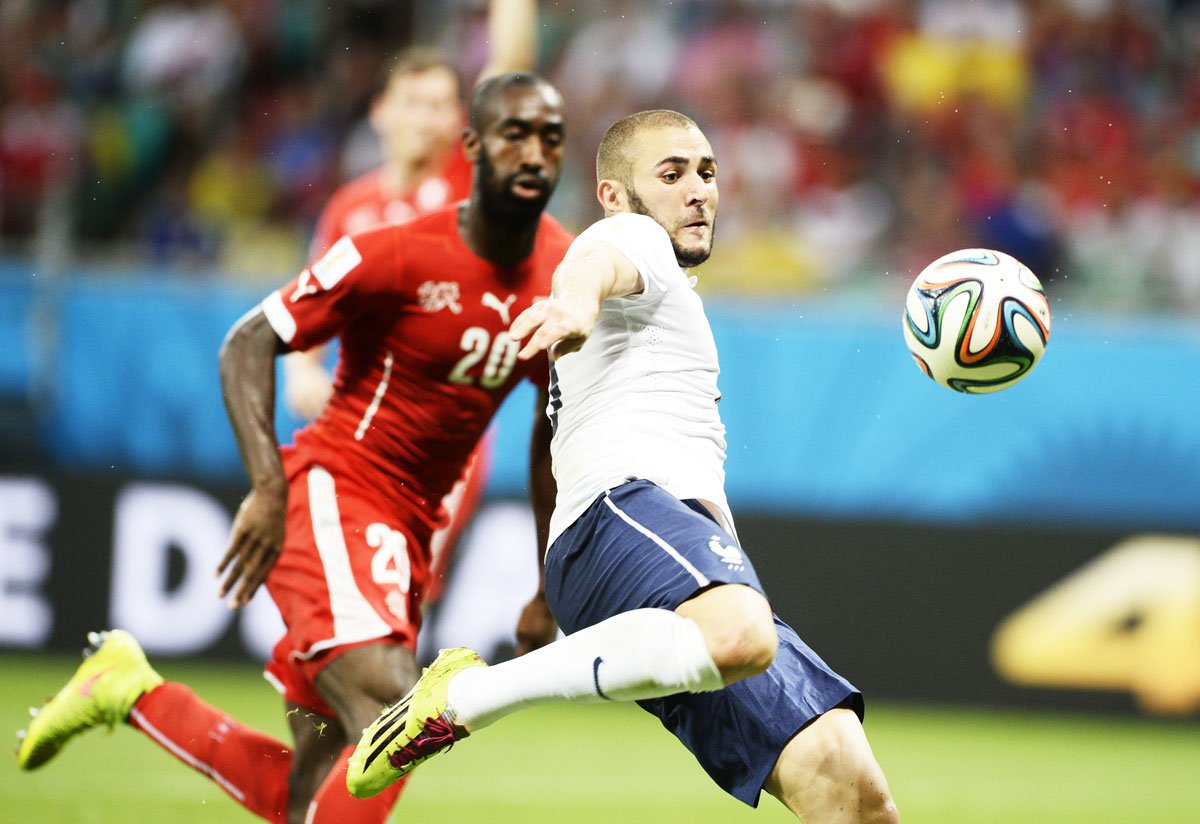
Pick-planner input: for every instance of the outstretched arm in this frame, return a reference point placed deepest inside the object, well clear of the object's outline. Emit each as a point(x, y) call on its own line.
point(247, 364)
point(536, 627)
point(512, 37)
point(584, 280)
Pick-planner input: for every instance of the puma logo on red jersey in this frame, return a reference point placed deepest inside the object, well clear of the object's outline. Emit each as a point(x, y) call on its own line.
point(434, 296)
point(305, 285)
point(492, 302)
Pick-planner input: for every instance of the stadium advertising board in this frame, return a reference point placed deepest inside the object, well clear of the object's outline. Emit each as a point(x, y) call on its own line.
point(1103, 619)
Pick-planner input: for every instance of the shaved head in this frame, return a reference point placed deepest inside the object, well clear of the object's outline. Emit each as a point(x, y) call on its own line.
point(487, 93)
point(659, 164)
point(614, 158)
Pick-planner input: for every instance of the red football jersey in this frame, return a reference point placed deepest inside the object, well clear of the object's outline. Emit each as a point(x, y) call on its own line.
point(425, 354)
point(363, 204)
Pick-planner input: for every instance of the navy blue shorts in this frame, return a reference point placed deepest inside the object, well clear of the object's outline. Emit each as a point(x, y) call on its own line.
point(639, 546)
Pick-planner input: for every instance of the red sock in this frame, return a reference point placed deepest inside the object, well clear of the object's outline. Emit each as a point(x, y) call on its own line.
point(252, 767)
point(333, 803)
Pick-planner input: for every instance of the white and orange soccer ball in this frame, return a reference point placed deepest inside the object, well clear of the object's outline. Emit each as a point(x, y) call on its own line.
point(976, 320)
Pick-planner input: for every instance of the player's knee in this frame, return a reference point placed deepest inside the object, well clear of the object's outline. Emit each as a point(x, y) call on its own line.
point(866, 804)
point(864, 787)
point(867, 793)
point(875, 806)
point(884, 811)
point(746, 650)
point(744, 644)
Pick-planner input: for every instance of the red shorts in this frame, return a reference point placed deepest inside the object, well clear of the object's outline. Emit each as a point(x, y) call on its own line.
point(353, 570)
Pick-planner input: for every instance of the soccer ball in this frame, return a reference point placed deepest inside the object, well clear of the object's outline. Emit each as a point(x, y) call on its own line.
point(976, 320)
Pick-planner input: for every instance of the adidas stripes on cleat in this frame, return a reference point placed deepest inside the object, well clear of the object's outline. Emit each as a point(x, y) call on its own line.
point(411, 731)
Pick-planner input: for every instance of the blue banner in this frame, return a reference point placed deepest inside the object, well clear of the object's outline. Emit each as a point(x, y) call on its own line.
point(827, 414)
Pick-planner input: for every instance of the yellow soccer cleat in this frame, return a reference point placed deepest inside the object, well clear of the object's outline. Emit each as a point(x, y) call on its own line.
point(113, 675)
point(411, 731)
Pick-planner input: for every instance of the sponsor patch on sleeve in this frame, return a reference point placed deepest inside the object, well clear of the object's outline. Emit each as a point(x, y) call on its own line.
point(341, 258)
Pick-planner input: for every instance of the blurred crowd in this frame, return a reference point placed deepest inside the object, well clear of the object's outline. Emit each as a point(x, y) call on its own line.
point(857, 139)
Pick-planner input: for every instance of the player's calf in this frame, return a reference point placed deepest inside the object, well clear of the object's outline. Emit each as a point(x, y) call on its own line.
point(319, 742)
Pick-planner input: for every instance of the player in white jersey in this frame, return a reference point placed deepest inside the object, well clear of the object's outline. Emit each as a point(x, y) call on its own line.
point(640, 400)
point(644, 571)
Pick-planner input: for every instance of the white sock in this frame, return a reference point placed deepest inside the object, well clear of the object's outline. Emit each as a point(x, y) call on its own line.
point(644, 653)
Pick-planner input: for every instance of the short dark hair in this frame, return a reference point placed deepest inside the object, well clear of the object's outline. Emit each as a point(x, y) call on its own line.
point(487, 92)
point(613, 160)
point(418, 60)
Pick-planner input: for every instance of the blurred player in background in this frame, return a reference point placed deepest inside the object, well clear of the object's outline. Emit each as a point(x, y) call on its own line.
point(339, 523)
point(418, 116)
point(645, 572)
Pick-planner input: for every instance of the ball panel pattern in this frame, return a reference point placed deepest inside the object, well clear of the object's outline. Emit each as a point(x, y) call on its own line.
point(976, 321)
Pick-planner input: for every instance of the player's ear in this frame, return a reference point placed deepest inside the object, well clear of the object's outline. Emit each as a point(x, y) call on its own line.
point(612, 196)
point(470, 140)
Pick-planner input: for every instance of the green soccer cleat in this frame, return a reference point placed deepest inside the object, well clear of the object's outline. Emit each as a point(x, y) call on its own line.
point(411, 731)
point(113, 675)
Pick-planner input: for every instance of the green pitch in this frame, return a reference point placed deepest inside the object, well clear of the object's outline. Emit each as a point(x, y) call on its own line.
point(606, 764)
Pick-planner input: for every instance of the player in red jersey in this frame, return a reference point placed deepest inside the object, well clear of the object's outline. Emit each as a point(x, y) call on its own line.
point(418, 116)
point(338, 523)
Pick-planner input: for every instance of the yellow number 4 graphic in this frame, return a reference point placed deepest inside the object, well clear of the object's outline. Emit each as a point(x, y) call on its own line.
point(1127, 621)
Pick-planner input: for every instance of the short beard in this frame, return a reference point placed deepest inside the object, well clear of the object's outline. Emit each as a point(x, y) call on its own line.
point(499, 204)
point(686, 258)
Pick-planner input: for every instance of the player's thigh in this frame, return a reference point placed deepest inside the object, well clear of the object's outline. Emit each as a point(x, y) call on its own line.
point(828, 770)
point(362, 680)
point(639, 546)
point(353, 570)
point(353, 566)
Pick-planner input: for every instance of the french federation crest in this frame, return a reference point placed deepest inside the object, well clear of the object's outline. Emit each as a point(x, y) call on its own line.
point(731, 556)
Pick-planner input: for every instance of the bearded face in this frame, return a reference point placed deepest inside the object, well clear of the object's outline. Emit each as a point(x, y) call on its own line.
point(513, 195)
point(691, 233)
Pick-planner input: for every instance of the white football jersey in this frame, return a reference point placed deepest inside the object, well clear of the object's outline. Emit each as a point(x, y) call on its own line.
point(639, 399)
